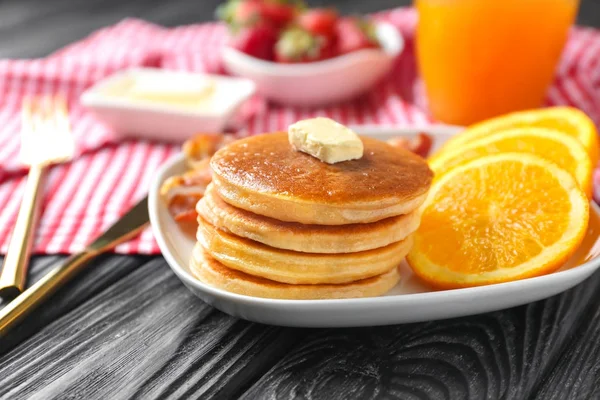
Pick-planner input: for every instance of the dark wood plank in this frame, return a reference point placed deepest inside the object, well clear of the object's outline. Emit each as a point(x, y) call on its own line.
point(144, 337)
point(100, 274)
point(500, 355)
point(577, 372)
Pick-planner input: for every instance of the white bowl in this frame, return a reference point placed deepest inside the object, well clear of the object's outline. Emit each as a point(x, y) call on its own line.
point(320, 82)
point(409, 301)
point(163, 121)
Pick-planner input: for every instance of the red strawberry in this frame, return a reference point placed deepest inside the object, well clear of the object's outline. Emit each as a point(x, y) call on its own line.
point(296, 45)
point(257, 41)
point(247, 13)
point(319, 21)
point(355, 34)
point(239, 14)
point(276, 13)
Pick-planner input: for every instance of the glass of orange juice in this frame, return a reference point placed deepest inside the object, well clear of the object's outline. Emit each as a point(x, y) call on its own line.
point(481, 58)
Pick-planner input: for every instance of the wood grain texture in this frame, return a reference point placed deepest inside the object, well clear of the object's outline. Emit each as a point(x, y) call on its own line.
point(500, 355)
point(144, 337)
point(577, 372)
point(100, 274)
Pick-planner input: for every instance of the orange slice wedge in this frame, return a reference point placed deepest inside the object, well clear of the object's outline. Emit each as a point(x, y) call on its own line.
point(560, 148)
point(568, 120)
point(497, 219)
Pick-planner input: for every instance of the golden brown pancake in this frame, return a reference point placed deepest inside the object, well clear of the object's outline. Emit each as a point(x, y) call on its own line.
point(302, 237)
point(265, 175)
point(294, 267)
point(213, 273)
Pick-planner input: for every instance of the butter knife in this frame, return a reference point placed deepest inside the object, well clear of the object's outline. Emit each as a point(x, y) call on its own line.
point(127, 227)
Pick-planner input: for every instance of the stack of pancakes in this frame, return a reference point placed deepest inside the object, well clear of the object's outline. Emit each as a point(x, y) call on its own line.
point(279, 223)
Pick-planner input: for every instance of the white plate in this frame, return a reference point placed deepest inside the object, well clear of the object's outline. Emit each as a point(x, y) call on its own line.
point(409, 301)
point(321, 82)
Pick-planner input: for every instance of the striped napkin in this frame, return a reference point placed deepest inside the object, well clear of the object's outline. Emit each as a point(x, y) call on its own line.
point(107, 177)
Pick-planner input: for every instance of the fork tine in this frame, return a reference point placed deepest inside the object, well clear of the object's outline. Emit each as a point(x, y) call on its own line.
point(48, 111)
point(39, 110)
point(28, 127)
point(60, 103)
point(46, 133)
point(27, 112)
point(61, 114)
point(63, 128)
point(26, 107)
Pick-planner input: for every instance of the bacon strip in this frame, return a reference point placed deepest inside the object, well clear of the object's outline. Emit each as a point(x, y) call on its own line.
point(420, 144)
point(182, 192)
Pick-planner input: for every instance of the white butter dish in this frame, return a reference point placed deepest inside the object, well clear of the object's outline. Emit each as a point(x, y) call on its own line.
point(166, 105)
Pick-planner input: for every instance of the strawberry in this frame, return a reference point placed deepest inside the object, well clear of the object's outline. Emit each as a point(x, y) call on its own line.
point(319, 21)
point(355, 34)
point(258, 41)
point(247, 13)
point(277, 13)
point(239, 14)
point(296, 45)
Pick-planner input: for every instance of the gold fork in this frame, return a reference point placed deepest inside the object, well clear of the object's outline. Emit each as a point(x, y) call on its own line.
point(45, 139)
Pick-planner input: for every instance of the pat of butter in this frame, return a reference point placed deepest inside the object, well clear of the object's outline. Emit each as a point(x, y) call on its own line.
point(325, 139)
point(170, 90)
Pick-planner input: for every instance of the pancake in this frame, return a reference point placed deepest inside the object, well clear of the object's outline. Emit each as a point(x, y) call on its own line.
point(294, 267)
point(263, 174)
point(301, 237)
point(213, 273)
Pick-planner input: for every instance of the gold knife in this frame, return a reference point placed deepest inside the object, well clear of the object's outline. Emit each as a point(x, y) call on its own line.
point(127, 227)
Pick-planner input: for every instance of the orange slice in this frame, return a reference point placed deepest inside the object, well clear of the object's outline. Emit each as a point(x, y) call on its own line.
point(496, 219)
point(568, 120)
point(562, 149)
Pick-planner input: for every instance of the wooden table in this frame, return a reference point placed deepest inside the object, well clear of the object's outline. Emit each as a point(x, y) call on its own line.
point(127, 327)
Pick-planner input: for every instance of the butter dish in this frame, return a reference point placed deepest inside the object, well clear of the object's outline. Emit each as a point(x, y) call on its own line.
point(166, 105)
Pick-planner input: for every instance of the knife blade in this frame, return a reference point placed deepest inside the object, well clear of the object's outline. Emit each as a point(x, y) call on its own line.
point(126, 228)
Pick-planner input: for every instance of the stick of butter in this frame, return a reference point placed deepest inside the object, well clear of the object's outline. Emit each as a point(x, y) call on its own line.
point(325, 139)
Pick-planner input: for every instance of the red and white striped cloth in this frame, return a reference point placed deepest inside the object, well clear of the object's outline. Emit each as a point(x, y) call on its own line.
point(84, 197)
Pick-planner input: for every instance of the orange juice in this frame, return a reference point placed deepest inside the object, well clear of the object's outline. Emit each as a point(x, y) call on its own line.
point(481, 58)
